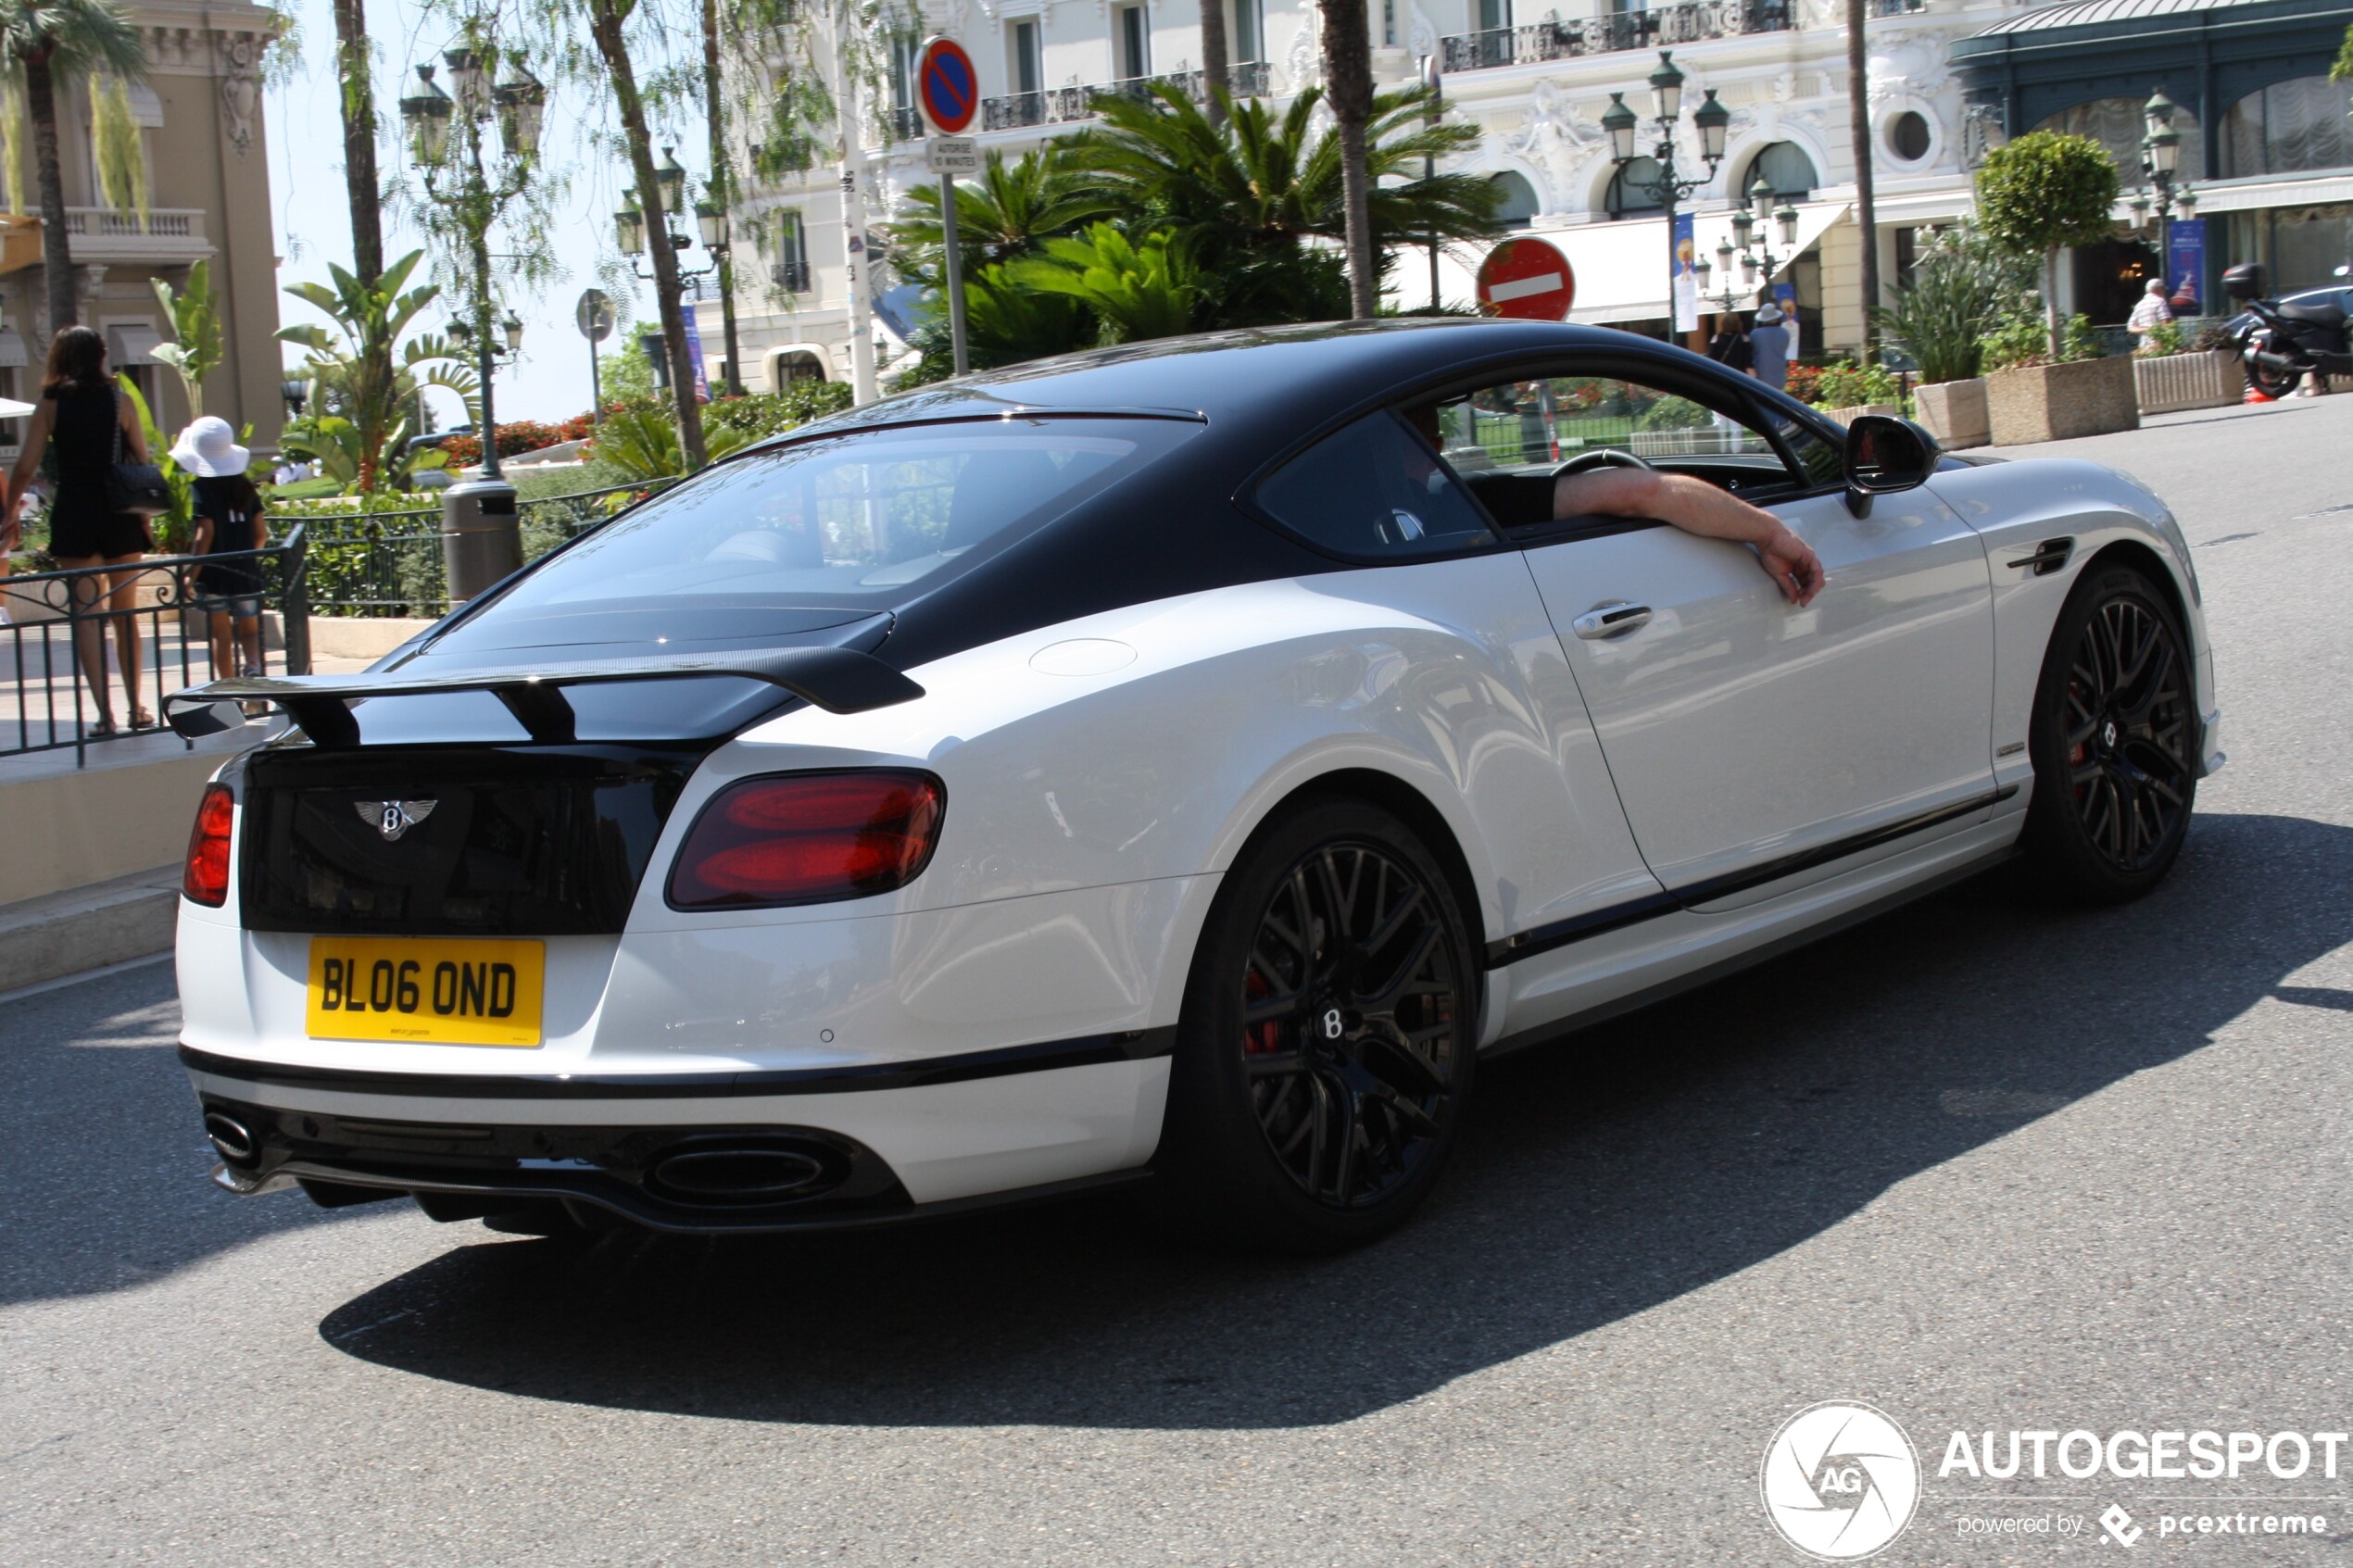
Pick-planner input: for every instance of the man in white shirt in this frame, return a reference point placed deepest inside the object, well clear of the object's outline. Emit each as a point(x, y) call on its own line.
point(2152, 311)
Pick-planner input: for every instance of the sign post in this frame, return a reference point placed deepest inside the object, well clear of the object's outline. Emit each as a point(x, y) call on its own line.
point(1528, 279)
point(948, 90)
point(594, 315)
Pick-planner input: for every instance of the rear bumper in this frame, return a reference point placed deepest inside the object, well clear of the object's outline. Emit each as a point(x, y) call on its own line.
point(871, 1144)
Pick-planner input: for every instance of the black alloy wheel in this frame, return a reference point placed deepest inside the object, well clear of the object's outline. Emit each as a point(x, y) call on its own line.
point(2115, 742)
point(1326, 1048)
point(1350, 997)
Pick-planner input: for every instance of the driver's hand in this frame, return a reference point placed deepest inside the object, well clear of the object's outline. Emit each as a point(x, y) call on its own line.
point(1792, 563)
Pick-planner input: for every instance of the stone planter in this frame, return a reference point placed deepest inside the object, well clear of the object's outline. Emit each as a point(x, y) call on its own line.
point(1953, 412)
point(1848, 416)
point(2061, 402)
point(2166, 384)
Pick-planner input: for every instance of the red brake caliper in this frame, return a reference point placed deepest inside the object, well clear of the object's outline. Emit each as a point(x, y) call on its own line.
point(1260, 1039)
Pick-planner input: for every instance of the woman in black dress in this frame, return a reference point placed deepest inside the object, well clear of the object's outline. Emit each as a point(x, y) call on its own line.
point(91, 427)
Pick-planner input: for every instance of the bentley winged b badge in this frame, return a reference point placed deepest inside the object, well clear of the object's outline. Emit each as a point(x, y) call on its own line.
point(393, 818)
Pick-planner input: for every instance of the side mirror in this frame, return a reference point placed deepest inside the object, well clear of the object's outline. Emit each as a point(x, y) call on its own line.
point(1883, 456)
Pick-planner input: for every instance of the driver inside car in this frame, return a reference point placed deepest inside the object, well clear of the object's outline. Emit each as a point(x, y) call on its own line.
point(1692, 505)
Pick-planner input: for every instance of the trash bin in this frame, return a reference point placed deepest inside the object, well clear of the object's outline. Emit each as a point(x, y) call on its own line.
point(480, 535)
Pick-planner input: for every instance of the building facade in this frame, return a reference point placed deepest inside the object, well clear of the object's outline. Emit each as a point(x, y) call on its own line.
point(2267, 138)
point(207, 170)
point(1940, 93)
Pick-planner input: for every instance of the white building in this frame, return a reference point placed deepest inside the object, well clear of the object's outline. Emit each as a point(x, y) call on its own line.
point(1536, 85)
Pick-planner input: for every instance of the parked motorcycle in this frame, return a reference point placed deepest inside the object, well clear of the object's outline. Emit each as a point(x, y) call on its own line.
point(2284, 341)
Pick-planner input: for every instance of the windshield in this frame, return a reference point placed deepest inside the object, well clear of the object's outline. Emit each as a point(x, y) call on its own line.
point(825, 532)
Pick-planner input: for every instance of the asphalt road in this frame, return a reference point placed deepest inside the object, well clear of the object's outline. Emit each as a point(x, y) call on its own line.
point(1983, 1165)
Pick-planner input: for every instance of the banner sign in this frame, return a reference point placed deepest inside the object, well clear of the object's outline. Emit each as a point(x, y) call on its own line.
point(693, 357)
point(1686, 280)
point(2185, 267)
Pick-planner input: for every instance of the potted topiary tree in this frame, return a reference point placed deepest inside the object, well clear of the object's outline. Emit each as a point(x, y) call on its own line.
point(1960, 282)
point(2036, 196)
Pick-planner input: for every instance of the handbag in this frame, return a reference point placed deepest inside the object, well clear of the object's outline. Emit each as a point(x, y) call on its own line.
point(134, 487)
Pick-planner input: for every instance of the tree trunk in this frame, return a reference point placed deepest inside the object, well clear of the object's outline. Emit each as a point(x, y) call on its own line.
point(1859, 113)
point(2050, 301)
point(1215, 76)
point(1348, 88)
point(605, 23)
point(360, 189)
point(56, 249)
point(723, 186)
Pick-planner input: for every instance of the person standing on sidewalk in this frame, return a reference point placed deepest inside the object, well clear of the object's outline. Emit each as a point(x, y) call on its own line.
point(2151, 313)
point(1768, 347)
point(89, 423)
point(228, 514)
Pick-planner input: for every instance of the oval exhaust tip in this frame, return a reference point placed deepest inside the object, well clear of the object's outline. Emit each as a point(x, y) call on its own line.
point(739, 1175)
point(230, 1137)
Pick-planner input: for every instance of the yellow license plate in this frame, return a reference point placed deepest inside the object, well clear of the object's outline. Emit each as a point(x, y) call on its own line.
point(426, 989)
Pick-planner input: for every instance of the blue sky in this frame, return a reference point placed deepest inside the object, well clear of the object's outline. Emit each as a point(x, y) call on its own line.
point(314, 226)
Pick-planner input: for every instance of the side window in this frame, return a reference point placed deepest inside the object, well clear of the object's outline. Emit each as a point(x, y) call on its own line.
point(1373, 489)
point(1822, 461)
point(1527, 424)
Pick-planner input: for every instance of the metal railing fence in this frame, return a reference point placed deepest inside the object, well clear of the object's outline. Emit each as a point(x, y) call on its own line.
point(55, 620)
point(390, 563)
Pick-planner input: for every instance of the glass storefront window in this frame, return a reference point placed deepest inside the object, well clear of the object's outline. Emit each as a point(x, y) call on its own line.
point(2289, 128)
point(2119, 124)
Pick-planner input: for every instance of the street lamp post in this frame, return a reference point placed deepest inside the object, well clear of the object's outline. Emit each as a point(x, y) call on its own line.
point(2161, 159)
point(1669, 187)
point(711, 222)
point(1749, 224)
point(481, 540)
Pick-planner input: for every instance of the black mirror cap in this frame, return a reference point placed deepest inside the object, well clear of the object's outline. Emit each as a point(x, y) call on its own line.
point(2243, 281)
point(1885, 455)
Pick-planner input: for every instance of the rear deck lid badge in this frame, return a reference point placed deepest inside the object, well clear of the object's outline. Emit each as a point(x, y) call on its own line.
point(393, 818)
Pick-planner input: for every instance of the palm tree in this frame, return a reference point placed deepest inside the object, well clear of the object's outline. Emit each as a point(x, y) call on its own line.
point(1859, 114)
point(372, 372)
point(1348, 83)
point(1259, 183)
point(361, 188)
point(1135, 291)
point(1011, 211)
point(54, 42)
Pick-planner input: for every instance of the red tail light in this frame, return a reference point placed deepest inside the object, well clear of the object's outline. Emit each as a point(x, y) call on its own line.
point(804, 838)
point(205, 879)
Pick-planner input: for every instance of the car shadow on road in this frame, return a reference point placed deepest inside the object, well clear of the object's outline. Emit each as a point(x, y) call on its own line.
point(1600, 1177)
point(104, 1160)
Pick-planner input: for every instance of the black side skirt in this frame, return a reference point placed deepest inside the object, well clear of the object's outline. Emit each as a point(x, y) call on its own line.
point(1560, 933)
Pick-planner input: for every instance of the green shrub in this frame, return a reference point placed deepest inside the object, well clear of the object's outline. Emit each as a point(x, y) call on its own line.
point(1961, 283)
point(2165, 338)
point(1848, 385)
point(2023, 338)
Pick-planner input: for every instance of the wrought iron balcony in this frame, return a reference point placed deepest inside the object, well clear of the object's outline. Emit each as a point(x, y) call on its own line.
point(903, 125)
point(1055, 105)
point(1659, 27)
point(790, 276)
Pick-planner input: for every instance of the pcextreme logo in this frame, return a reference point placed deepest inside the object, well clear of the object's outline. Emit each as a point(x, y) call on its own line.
point(1840, 1480)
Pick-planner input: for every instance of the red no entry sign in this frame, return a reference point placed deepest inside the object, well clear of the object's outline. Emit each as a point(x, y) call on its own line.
point(946, 86)
point(1527, 279)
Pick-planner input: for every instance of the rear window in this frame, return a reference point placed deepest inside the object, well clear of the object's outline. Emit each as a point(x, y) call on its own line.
point(855, 523)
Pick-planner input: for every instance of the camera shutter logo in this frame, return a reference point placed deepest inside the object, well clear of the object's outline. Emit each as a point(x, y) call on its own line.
point(1840, 1480)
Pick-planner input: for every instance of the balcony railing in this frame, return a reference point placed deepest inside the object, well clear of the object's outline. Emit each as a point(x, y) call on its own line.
point(158, 224)
point(1055, 105)
point(902, 125)
point(1661, 26)
point(790, 276)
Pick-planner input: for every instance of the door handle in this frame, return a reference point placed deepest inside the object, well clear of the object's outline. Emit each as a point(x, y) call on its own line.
point(1612, 620)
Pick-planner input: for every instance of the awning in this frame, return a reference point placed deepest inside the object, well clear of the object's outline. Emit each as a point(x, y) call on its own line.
point(1621, 267)
point(132, 346)
point(12, 354)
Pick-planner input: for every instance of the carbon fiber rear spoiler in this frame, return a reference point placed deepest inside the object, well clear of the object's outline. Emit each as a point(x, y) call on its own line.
point(837, 679)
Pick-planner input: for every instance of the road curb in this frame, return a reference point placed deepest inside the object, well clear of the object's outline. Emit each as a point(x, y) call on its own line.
point(63, 935)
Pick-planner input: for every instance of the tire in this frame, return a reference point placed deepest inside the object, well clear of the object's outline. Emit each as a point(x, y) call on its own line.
point(2272, 382)
point(2114, 742)
point(1318, 1083)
